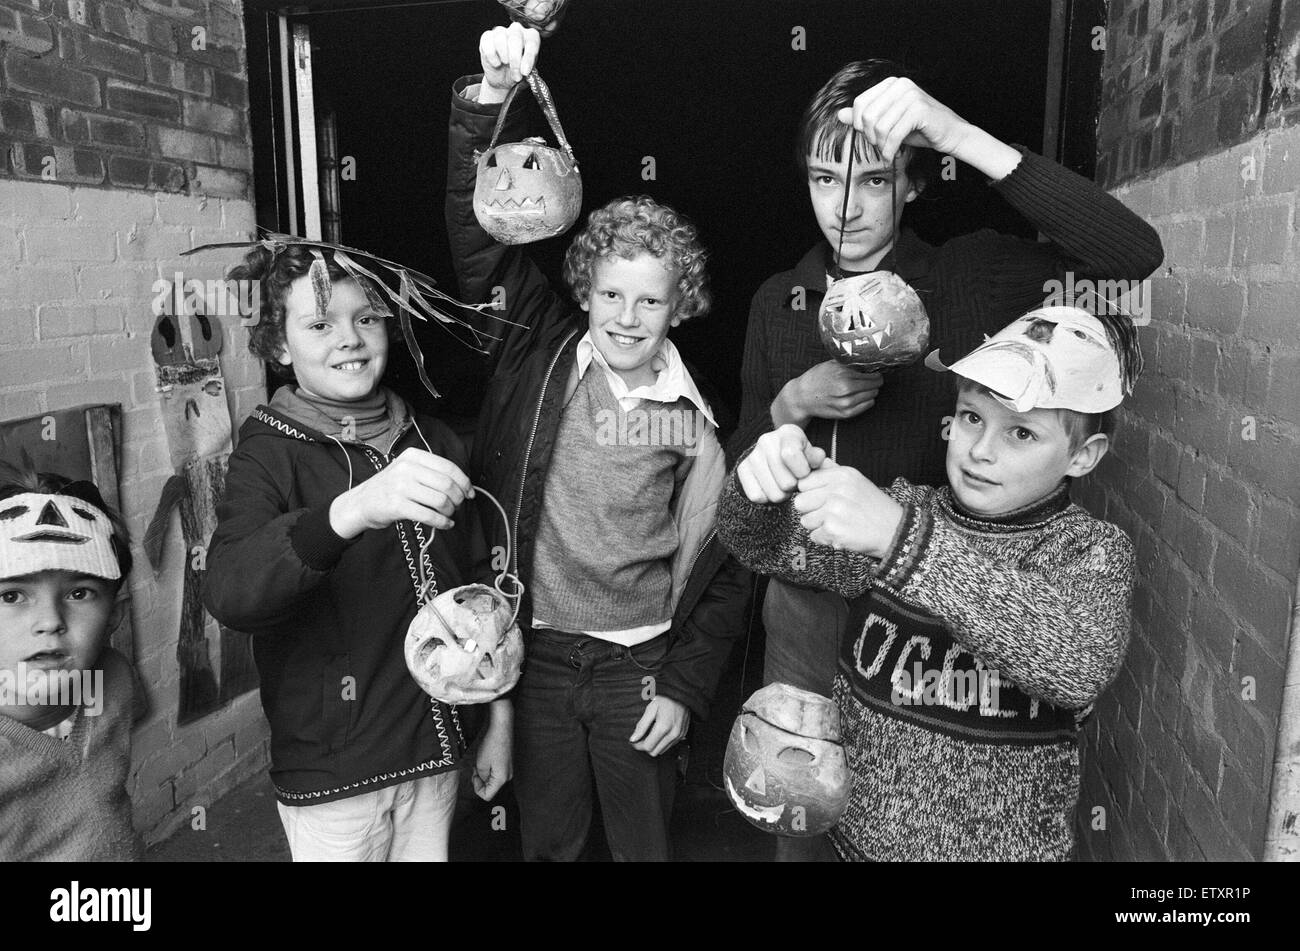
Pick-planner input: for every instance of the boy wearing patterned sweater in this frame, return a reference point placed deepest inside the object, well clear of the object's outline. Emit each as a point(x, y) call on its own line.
point(986, 617)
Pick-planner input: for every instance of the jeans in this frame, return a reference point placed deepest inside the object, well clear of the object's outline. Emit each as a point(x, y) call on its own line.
point(803, 629)
point(578, 701)
point(408, 822)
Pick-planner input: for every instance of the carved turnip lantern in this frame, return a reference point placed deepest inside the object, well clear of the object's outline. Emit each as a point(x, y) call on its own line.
point(874, 321)
point(543, 15)
point(464, 646)
point(785, 769)
point(526, 191)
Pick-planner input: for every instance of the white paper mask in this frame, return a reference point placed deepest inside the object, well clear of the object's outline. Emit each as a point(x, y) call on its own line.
point(42, 532)
point(1051, 358)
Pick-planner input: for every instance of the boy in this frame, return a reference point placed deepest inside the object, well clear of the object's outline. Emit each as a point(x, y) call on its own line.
point(971, 286)
point(65, 695)
point(986, 616)
point(322, 543)
point(597, 441)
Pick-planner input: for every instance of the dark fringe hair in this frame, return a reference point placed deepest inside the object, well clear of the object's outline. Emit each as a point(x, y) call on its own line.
point(821, 133)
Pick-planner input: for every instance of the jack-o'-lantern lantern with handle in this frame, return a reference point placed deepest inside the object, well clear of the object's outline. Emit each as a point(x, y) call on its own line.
point(464, 647)
point(526, 191)
point(785, 769)
point(874, 321)
point(542, 15)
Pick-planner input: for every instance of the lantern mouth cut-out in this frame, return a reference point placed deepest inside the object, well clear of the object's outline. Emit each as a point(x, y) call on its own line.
point(527, 191)
point(464, 647)
point(785, 770)
point(874, 320)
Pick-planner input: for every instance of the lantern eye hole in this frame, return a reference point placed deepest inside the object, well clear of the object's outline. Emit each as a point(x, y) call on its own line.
point(84, 513)
point(168, 331)
point(492, 160)
point(531, 161)
point(12, 512)
point(795, 756)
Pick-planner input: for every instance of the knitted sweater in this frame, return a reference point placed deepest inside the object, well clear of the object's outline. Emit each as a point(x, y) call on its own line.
point(65, 800)
point(973, 652)
point(972, 285)
point(606, 488)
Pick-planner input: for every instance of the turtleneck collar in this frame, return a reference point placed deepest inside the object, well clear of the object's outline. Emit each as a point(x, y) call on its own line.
point(1035, 513)
point(373, 420)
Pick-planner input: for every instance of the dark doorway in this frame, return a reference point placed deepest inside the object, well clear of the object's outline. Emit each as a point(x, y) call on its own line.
point(712, 90)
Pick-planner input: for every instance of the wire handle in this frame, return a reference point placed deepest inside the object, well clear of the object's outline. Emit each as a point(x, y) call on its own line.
point(844, 207)
point(517, 593)
point(542, 93)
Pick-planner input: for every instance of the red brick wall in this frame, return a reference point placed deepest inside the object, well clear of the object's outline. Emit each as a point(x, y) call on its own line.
point(149, 94)
point(1206, 474)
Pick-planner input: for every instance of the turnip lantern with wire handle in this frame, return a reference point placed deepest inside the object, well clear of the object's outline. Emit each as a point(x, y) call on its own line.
point(527, 191)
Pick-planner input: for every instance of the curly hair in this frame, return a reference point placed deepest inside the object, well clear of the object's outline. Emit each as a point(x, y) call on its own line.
point(630, 226)
point(21, 477)
point(276, 271)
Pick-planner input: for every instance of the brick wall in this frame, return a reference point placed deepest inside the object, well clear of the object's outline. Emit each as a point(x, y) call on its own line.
point(1206, 474)
point(149, 159)
point(1187, 79)
point(149, 94)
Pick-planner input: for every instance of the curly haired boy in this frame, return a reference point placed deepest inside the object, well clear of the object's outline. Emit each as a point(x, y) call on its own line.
point(596, 438)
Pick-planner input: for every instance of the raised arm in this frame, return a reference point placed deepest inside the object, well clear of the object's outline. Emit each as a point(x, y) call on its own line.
point(485, 269)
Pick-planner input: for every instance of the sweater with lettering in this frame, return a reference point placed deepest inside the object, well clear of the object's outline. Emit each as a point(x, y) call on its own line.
point(972, 655)
point(65, 800)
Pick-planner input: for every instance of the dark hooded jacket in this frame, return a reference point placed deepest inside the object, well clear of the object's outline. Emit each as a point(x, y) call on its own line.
point(327, 615)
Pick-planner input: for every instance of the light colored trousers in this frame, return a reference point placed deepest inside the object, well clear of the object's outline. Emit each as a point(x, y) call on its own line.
point(409, 822)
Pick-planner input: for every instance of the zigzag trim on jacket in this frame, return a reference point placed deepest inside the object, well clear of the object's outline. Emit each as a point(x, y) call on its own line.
point(382, 777)
point(275, 423)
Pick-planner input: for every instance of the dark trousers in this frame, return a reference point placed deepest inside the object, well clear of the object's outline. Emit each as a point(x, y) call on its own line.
point(578, 701)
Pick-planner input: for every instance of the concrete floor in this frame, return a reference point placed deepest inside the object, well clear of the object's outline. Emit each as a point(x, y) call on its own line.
point(243, 826)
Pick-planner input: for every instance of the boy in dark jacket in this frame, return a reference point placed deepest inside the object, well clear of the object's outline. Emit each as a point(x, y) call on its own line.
point(598, 443)
point(322, 546)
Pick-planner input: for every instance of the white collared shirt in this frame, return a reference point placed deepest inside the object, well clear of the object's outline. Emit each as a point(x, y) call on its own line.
point(672, 381)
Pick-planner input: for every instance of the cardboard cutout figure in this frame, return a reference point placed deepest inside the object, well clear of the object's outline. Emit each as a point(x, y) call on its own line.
point(215, 663)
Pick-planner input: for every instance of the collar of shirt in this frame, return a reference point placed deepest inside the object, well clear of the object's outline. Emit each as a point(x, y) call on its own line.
point(672, 383)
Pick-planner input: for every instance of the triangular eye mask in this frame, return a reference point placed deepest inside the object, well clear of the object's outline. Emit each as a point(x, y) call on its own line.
point(44, 532)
